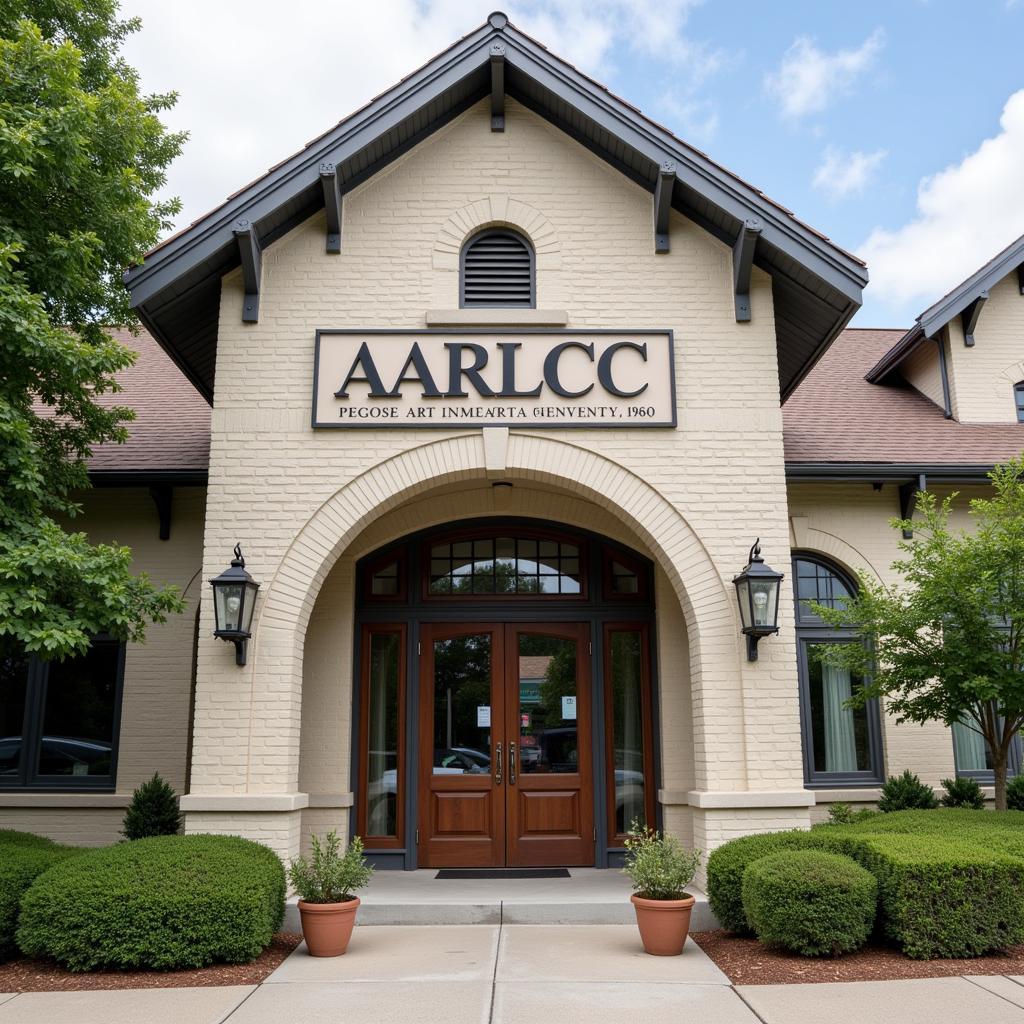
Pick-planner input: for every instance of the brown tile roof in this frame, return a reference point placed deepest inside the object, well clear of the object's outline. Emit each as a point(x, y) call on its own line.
point(171, 430)
point(836, 416)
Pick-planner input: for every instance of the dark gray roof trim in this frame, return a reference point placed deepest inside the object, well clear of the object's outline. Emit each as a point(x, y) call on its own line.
point(951, 305)
point(949, 473)
point(817, 285)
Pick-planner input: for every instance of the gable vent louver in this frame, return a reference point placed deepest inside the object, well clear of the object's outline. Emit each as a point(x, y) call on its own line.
point(497, 270)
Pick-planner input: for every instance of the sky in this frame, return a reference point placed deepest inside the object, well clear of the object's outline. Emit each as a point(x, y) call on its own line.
point(895, 127)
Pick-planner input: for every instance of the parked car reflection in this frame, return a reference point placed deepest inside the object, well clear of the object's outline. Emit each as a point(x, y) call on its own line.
point(58, 755)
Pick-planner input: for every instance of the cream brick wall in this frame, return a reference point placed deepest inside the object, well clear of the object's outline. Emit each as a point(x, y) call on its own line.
point(982, 377)
point(849, 523)
point(696, 496)
point(157, 675)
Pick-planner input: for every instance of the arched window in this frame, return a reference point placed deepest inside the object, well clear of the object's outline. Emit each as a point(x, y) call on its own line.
point(497, 269)
point(841, 746)
point(1018, 400)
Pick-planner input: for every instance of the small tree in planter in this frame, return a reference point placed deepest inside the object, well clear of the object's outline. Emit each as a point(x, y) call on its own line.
point(326, 887)
point(153, 811)
point(660, 870)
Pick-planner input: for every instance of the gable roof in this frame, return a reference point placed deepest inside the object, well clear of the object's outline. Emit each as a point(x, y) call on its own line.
point(950, 306)
point(816, 285)
point(840, 424)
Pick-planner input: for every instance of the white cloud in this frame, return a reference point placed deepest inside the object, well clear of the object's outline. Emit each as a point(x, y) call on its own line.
point(257, 83)
point(808, 79)
point(966, 213)
point(841, 174)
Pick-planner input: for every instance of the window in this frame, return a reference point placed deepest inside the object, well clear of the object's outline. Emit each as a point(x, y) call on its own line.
point(384, 579)
point(497, 270)
point(505, 565)
point(1018, 399)
point(972, 755)
point(382, 695)
point(841, 745)
point(59, 720)
point(625, 578)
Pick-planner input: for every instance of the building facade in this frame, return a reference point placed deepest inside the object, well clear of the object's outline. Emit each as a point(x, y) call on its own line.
point(496, 384)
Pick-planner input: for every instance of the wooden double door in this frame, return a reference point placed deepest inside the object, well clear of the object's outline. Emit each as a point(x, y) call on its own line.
point(505, 768)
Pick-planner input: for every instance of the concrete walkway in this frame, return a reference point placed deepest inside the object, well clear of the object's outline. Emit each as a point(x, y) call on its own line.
point(499, 974)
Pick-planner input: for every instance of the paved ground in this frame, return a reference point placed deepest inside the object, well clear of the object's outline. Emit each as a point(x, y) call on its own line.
point(490, 974)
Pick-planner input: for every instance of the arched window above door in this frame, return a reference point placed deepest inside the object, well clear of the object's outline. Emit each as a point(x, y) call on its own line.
point(497, 270)
point(842, 746)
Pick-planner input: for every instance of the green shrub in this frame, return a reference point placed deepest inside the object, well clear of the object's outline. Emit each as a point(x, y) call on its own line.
point(168, 902)
point(331, 877)
point(23, 857)
point(810, 902)
point(844, 814)
point(906, 792)
point(153, 811)
point(963, 793)
point(658, 865)
point(1015, 793)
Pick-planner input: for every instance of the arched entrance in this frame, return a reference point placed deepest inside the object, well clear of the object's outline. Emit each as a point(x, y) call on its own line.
point(505, 708)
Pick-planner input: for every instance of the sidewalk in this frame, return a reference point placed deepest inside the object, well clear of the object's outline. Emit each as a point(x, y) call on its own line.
point(500, 974)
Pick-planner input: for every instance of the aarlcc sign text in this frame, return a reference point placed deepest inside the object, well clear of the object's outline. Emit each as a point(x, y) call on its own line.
point(446, 378)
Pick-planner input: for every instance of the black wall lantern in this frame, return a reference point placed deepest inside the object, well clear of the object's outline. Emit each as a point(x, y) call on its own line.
point(757, 590)
point(234, 597)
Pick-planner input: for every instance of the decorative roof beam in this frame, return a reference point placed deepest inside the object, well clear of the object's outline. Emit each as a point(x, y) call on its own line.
point(742, 261)
point(252, 269)
point(163, 498)
point(969, 318)
point(332, 204)
point(947, 404)
point(497, 52)
point(1020, 278)
point(908, 499)
point(663, 205)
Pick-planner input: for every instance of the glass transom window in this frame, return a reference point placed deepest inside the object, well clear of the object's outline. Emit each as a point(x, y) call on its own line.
point(505, 565)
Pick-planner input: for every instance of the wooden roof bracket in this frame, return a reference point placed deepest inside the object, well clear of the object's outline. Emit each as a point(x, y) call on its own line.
point(742, 261)
point(252, 269)
point(332, 205)
point(663, 205)
point(969, 318)
point(497, 54)
point(908, 499)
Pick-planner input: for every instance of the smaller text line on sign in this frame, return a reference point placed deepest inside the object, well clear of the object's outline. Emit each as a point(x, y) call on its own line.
point(470, 377)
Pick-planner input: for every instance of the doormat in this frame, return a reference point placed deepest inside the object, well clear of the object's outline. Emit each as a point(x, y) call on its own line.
point(503, 873)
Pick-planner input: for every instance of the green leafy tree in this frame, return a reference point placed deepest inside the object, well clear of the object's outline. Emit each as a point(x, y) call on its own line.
point(82, 152)
point(947, 643)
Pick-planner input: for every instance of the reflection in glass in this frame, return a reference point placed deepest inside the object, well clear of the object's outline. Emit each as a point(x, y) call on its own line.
point(624, 579)
point(972, 752)
point(462, 705)
point(627, 728)
point(841, 742)
point(505, 565)
point(547, 704)
point(384, 582)
point(13, 679)
point(78, 719)
point(382, 784)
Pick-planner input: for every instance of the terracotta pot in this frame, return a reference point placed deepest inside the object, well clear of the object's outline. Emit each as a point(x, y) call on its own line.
point(327, 927)
point(663, 924)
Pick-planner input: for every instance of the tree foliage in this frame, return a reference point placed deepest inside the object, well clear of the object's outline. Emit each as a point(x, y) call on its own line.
point(947, 643)
point(82, 153)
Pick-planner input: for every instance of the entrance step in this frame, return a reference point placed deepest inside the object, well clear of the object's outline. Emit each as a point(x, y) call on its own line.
point(588, 896)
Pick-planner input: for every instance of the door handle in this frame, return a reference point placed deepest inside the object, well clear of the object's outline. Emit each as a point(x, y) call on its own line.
point(511, 764)
point(497, 765)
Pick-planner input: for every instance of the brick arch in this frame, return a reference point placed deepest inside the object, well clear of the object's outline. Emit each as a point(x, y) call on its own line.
point(835, 549)
point(496, 211)
point(284, 614)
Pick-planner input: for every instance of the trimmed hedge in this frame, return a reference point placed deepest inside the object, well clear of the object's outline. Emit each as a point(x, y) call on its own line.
point(951, 882)
point(167, 903)
point(810, 902)
point(23, 857)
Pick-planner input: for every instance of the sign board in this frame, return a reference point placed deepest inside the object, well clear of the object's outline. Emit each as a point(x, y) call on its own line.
point(569, 709)
point(483, 716)
point(535, 378)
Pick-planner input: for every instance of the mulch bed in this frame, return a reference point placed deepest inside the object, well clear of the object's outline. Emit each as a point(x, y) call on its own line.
point(25, 975)
point(746, 962)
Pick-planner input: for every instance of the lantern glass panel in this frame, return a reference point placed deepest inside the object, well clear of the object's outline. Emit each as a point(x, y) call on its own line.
point(743, 592)
point(763, 599)
point(248, 604)
point(228, 601)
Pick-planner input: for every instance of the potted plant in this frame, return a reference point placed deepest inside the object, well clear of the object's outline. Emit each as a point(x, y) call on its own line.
point(326, 887)
point(660, 870)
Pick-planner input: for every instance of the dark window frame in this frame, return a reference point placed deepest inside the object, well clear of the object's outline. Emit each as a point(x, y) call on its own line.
point(810, 630)
point(987, 776)
point(643, 582)
point(1018, 400)
point(395, 555)
point(489, 233)
point(36, 683)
